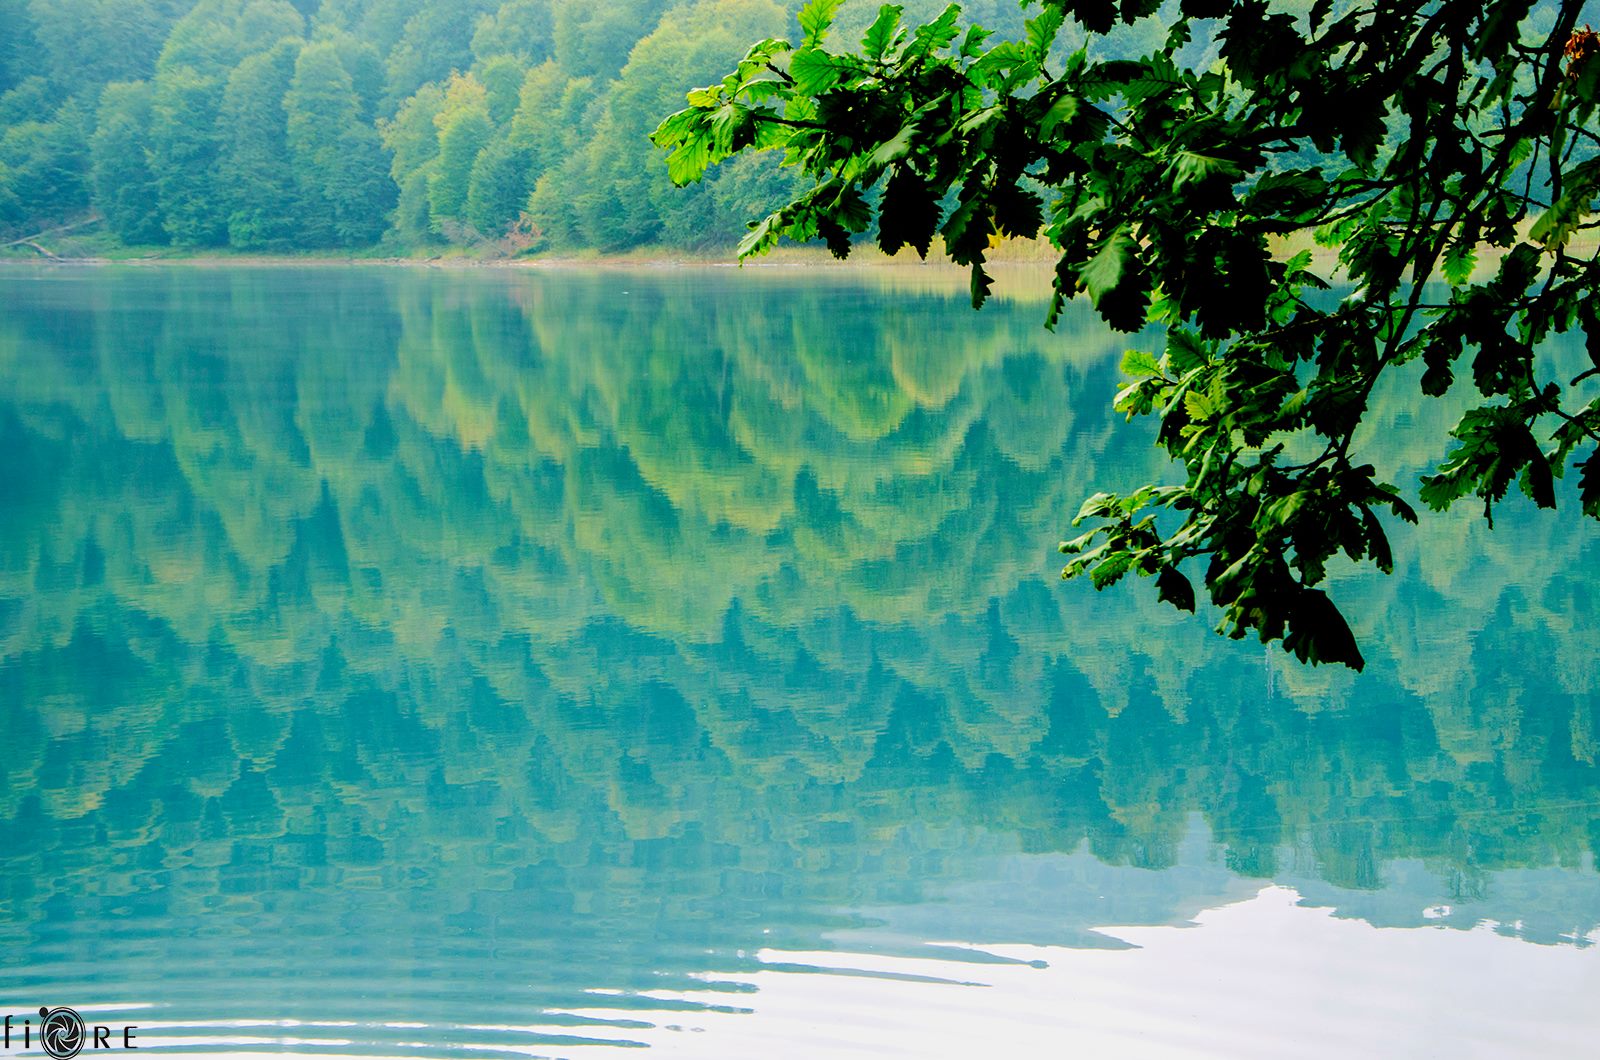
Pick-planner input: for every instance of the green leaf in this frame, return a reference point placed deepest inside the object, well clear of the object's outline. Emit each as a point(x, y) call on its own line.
point(688, 162)
point(981, 284)
point(1189, 167)
point(1555, 227)
point(936, 35)
point(980, 118)
point(1154, 78)
point(908, 214)
point(1042, 29)
point(1363, 129)
point(1337, 233)
point(732, 127)
point(968, 228)
point(814, 71)
point(880, 35)
point(1537, 482)
point(1458, 263)
point(1293, 193)
point(1187, 351)
point(850, 209)
point(1116, 283)
point(1281, 512)
point(1589, 485)
point(1519, 153)
point(1105, 270)
point(1063, 110)
point(1137, 364)
point(1201, 406)
point(894, 149)
point(763, 236)
point(1004, 57)
point(1174, 588)
point(972, 43)
point(816, 18)
point(1318, 633)
point(1099, 505)
point(1110, 570)
point(1135, 399)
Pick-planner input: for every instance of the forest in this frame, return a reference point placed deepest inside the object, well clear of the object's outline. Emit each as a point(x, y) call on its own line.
point(274, 126)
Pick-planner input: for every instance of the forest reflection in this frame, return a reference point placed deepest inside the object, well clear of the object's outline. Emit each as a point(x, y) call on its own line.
point(611, 619)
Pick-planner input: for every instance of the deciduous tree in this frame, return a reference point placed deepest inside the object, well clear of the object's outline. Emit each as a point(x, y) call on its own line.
point(337, 158)
point(265, 207)
point(125, 187)
point(464, 130)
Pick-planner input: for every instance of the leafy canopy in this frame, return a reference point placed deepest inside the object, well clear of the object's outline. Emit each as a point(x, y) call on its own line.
point(1444, 148)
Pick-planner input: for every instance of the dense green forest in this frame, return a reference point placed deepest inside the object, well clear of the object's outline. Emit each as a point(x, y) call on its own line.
point(271, 125)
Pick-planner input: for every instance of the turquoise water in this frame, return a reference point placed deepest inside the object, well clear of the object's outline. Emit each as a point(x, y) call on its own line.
point(411, 662)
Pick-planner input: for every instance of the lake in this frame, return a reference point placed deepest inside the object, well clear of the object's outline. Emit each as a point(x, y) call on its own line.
point(408, 662)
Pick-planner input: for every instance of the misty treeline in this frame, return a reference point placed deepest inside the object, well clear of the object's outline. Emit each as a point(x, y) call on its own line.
point(280, 125)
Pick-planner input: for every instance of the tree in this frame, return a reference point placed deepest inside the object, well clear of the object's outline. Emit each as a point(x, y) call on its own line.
point(464, 130)
point(1445, 151)
point(412, 140)
point(498, 185)
point(124, 185)
point(99, 40)
point(556, 118)
point(498, 189)
point(547, 118)
point(336, 157)
point(186, 143)
point(185, 148)
point(45, 163)
point(595, 40)
point(365, 67)
point(16, 45)
point(522, 28)
point(257, 178)
point(502, 77)
point(216, 34)
point(626, 200)
point(30, 100)
point(437, 40)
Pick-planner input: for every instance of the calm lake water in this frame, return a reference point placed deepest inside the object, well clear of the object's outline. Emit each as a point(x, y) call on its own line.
point(413, 663)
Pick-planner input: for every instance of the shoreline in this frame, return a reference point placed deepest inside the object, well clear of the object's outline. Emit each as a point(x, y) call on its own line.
point(1019, 277)
point(864, 255)
point(1012, 256)
point(791, 259)
point(297, 261)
